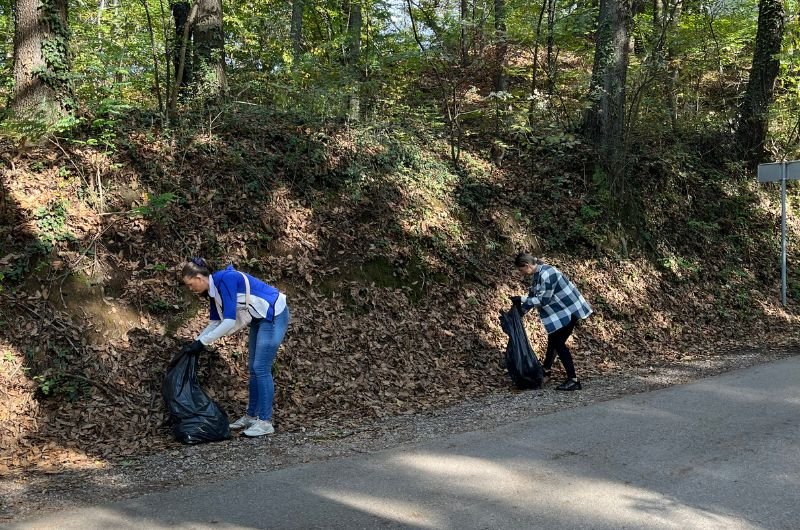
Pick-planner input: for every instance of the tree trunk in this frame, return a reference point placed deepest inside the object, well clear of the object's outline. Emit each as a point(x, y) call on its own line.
point(354, 23)
point(100, 7)
point(605, 119)
point(296, 29)
point(658, 18)
point(551, 63)
point(671, 68)
point(464, 45)
point(535, 68)
point(42, 88)
point(501, 45)
point(753, 126)
point(180, 14)
point(179, 70)
point(209, 51)
point(154, 51)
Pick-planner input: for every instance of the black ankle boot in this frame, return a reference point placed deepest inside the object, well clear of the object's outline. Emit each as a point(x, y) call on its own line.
point(569, 385)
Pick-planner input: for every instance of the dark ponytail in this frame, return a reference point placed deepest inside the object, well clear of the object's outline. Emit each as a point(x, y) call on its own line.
point(196, 267)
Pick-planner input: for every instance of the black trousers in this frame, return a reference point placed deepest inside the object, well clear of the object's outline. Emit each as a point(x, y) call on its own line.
point(557, 344)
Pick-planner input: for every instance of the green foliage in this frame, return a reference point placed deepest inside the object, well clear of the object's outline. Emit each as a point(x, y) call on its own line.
point(51, 223)
point(53, 378)
point(105, 125)
point(404, 81)
point(56, 54)
point(155, 209)
point(112, 54)
point(20, 130)
point(14, 272)
point(703, 229)
point(681, 267)
point(159, 306)
point(112, 60)
point(6, 45)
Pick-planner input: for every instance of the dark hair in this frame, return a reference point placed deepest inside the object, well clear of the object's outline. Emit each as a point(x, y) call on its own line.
point(523, 258)
point(195, 267)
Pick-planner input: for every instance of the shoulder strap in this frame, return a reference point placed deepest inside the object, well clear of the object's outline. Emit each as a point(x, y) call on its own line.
point(246, 290)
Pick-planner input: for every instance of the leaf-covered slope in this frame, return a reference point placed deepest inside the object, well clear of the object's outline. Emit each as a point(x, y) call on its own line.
point(395, 265)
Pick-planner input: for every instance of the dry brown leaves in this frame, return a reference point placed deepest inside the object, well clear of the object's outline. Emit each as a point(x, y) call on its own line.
point(358, 347)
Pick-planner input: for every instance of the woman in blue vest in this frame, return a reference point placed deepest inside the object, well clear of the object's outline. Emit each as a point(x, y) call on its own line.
point(236, 299)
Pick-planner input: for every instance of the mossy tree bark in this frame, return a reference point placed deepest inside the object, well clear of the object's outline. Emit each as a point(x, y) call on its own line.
point(209, 51)
point(42, 88)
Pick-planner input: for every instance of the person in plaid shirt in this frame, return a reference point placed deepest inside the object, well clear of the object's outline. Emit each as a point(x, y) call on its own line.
point(560, 306)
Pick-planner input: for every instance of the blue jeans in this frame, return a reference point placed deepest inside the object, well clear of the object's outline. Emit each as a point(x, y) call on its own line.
point(265, 338)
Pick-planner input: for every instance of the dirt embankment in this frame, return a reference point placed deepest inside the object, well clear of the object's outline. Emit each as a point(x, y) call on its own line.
point(395, 266)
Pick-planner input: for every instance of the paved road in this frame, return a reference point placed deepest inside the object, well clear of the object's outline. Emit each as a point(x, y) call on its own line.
point(720, 453)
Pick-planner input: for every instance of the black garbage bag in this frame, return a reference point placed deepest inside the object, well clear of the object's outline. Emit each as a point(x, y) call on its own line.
point(523, 366)
point(195, 417)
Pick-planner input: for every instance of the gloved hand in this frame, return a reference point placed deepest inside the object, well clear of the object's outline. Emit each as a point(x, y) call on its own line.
point(193, 348)
point(516, 300)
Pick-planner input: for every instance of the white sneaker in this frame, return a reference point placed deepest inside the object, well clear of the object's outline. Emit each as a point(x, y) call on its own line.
point(259, 428)
point(243, 422)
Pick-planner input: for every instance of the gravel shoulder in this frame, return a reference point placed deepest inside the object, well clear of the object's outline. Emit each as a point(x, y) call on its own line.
point(24, 495)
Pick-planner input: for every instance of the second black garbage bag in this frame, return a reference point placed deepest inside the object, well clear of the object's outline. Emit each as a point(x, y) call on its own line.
point(523, 366)
point(195, 417)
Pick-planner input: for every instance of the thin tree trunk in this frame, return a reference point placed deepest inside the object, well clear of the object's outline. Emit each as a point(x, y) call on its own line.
point(155, 56)
point(462, 19)
point(655, 72)
point(751, 133)
point(448, 90)
point(551, 66)
point(167, 56)
point(658, 17)
point(180, 14)
point(354, 24)
point(100, 7)
point(122, 35)
point(672, 97)
point(535, 66)
point(501, 45)
point(718, 49)
point(181, 58)
point(672, 69)
point(296, 29)
point(42, 88)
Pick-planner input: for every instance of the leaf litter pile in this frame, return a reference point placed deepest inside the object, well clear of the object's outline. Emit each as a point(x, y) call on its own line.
point(395, 276)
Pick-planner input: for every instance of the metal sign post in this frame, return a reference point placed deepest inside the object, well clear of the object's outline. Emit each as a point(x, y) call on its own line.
point(781, 171)
point(783, 234)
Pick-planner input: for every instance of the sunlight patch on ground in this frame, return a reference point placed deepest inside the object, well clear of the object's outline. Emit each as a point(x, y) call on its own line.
point(484, 475)
point(399, 511)
point(590, 499)
point(747, 395)
point(638, 410)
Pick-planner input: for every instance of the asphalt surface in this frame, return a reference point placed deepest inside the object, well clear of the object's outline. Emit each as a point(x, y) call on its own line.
point(723, 452)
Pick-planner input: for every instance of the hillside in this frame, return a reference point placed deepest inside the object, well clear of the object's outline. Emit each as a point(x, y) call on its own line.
point(395, 266)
